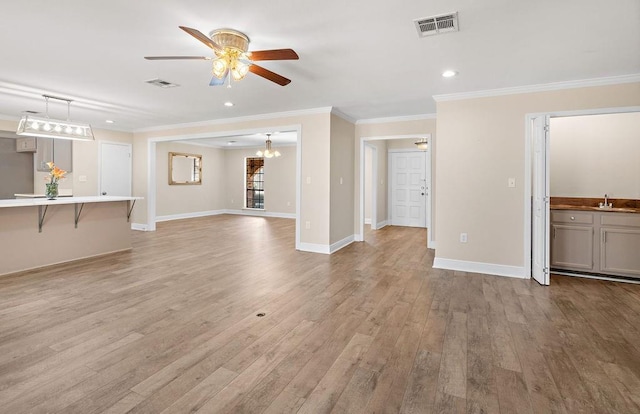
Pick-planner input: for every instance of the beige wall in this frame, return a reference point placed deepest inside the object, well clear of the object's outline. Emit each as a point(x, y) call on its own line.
point(315, 138)
point(397, 144)
point(279, 179)
point(596, 155)
point(342, 175)
point(381, 184)
point(480, 144)
point(183, 199)
point(418, 128)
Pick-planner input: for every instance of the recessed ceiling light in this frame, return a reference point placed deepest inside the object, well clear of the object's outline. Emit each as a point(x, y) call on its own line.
point(449, 73)
point(228, 104)
point(109, 121)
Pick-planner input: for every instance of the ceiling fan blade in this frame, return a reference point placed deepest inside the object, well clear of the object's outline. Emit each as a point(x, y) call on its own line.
point(267, 74)
point(177, 58)
point(275, 54)
point(201, 37)
point(218, 82)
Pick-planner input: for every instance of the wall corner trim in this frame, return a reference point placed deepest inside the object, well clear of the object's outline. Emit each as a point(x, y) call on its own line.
point(479, 267)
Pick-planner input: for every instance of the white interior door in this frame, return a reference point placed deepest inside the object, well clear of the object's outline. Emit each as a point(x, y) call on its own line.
point(540, 201)
point(115, 169)
point(408, 188)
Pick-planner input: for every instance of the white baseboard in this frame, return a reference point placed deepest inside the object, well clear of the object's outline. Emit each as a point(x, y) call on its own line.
point(478, 267)
point(367, 221)
point(315, 248)
point(358, 237)
point(139, 227)
point(189, 215)
point(381, 224)
point(341, 244)
point(326, 248)
point(260, 213)
point(431, 244)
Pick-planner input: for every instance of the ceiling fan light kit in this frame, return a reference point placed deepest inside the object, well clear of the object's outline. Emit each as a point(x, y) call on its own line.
point(232, 56)
point(45, 127)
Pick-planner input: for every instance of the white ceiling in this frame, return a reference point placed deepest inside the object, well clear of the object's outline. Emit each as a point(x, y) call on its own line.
point(361, 57)
point(286, 138)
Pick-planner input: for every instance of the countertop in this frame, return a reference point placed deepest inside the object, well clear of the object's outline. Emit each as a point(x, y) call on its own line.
point(30, 202)
point(592, 204)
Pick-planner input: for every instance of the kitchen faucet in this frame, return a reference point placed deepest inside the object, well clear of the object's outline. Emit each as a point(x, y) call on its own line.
point(606, 203)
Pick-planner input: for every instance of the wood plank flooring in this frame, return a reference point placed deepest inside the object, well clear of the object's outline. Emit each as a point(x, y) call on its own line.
point(171, 327)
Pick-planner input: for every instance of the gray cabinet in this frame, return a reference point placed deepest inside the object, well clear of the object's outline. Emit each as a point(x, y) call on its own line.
point(60, 151)
point(596, 242)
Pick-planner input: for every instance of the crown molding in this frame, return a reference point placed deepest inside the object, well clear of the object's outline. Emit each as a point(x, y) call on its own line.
point(546, 87)
point(406, 118)
point(259, 117)
point(340, 114)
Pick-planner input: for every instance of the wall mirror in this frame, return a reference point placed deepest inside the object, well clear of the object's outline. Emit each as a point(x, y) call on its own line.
point(185, 169)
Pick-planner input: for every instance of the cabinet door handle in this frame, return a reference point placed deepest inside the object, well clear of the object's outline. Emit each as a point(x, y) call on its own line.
point(604, 237)
point(554, 233)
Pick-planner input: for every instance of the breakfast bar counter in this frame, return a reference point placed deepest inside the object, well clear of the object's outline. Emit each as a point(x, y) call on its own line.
point(38, 232)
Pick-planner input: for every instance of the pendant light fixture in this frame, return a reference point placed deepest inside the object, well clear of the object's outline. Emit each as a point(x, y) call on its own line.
point(35, 126)
point(268, 152)
point(422, 144)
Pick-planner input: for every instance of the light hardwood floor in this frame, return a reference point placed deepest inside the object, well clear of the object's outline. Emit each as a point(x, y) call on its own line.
point(171, 327)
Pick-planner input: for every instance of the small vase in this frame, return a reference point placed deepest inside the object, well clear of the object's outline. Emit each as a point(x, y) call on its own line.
point(52, 191)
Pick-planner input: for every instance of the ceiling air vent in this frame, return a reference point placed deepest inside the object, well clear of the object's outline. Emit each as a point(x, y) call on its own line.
point(443, 23)
point(161, 83)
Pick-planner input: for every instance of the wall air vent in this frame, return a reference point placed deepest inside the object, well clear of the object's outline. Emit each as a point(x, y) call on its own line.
point(443, 23)
point(161, 83)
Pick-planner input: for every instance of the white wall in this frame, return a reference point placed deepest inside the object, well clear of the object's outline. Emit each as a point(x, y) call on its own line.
point(596, 155)
point(342, 176)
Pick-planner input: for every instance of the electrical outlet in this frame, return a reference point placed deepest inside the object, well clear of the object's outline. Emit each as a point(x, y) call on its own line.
point(340, 180)
point(463, 237)
point(82, 178)
point(288, 203)
point(232, 201)
point(307, 225)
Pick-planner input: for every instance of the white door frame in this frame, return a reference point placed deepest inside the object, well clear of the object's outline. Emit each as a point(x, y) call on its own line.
point(528, 139)
point(427, 136)
point(374, 186)
point(124, 144)
point(151, 165)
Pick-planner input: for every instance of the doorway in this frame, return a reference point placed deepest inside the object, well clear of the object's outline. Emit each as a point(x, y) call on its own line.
point(115, 169)
point(386, 145)
point(537, 188)
point(408, 191)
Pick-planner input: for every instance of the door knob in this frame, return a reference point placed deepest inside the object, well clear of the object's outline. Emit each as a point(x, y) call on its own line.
point(422, 193)
point(104, 193)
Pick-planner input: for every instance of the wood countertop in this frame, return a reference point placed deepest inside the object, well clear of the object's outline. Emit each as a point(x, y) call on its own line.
point(620, 205)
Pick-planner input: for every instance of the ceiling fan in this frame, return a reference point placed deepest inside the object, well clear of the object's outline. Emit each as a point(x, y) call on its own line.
point(232, 56)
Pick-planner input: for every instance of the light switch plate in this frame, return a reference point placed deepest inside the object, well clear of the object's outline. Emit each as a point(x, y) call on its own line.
point(511, 183)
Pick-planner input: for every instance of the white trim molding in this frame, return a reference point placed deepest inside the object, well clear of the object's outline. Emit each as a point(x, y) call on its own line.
point(139, 227)
point(259, 213)
point(341, 243)
point(340, 114)
point(194, 214)
point(431, 244)
point(314, 248)
point(405, 118)
point(479, 267)
point(381, 224)
point(555, 86)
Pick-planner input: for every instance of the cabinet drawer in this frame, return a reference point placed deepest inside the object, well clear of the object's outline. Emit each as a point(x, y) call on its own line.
point(620, 219)
point(569, 216)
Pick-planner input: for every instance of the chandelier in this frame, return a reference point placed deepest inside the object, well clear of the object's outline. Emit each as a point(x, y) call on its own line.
point(35, 126)
point(268, 152)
